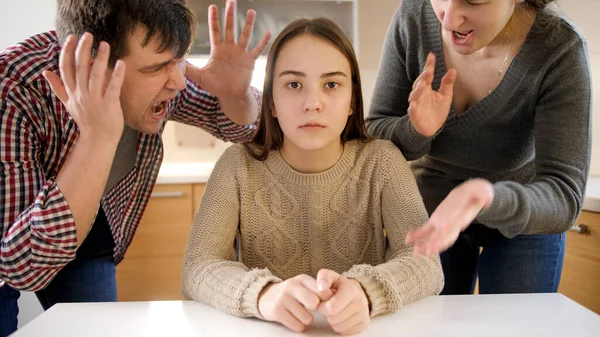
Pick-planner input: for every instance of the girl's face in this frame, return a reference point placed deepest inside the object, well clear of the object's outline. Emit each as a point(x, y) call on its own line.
point(469, 25)
point(312, 93)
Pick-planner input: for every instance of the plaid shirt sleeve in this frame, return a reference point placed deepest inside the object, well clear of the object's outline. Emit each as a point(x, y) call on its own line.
point(38, 229)
point(194, 106)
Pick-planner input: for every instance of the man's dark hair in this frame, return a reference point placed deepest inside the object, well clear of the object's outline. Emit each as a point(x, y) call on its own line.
point(114, 21)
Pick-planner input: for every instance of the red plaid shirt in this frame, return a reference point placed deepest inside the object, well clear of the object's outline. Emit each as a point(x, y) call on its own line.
point(37, 134)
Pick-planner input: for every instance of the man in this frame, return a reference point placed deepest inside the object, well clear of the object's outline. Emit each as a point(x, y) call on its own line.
point(80, 153)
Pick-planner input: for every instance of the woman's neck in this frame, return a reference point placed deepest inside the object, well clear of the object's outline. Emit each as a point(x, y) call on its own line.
point(311, 161)
point(514, 34)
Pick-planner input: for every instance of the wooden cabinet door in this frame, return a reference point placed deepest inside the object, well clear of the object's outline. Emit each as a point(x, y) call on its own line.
point(580, 278)
point(151, 269)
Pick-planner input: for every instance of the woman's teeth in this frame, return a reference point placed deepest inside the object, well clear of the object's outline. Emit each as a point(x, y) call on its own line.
point(460, 35)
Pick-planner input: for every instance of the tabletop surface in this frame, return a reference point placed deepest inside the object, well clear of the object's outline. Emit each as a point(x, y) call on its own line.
point(472, 315)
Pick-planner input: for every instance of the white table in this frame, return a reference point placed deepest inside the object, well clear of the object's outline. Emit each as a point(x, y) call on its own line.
point(443, 316)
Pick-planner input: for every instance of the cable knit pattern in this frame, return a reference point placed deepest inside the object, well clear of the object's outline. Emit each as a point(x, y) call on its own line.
point(352, 218)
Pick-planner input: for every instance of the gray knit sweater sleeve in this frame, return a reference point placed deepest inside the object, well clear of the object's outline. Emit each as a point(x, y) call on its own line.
point(531, 137)
point(388, 117)
point(551, 202)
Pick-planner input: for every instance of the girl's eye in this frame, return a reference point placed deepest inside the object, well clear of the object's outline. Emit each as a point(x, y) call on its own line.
point(332, 85)
point(293, 85)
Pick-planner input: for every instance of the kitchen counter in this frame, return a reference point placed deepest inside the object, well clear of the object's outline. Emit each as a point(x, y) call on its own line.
point(184, 173)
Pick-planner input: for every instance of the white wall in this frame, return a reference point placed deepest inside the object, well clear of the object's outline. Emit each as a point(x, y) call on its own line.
point(24, 18)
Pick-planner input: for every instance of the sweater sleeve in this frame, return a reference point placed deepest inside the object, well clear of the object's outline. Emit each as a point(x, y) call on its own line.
point(553, 200)
point(210, 273)
point(404, 277)
point(388, 118)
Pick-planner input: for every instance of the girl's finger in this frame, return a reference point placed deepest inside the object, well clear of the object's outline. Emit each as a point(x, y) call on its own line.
point(287, 319)
point(299, 312)
point(354, 318)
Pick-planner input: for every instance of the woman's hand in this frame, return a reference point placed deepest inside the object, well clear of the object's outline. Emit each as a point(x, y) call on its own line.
point(452, 216)
point(428, 109)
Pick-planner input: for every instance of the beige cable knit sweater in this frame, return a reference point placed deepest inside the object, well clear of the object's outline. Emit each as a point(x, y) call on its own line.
point(289, 223)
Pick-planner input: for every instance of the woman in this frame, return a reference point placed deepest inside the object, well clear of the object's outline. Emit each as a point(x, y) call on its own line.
point(491, 100)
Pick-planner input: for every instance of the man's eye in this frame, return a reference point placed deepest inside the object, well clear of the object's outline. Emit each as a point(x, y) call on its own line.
point(152, 70)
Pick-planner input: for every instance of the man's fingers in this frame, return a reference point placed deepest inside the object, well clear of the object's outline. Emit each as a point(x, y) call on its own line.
point(260, 47)
point(98, 72)
point(229, 20)
point(83, 57)
point(116, 81)
point(214, 27)
point(247, 30)
point(57, 86)
point(66, 63)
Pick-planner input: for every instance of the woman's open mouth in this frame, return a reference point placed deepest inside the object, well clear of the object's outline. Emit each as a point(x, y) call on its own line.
point(461, 37)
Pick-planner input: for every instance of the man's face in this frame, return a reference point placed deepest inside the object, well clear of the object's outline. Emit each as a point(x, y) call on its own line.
point(151, 80)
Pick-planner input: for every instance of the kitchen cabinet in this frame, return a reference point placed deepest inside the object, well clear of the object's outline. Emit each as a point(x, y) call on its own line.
point(151, 269)
point(580, 278)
